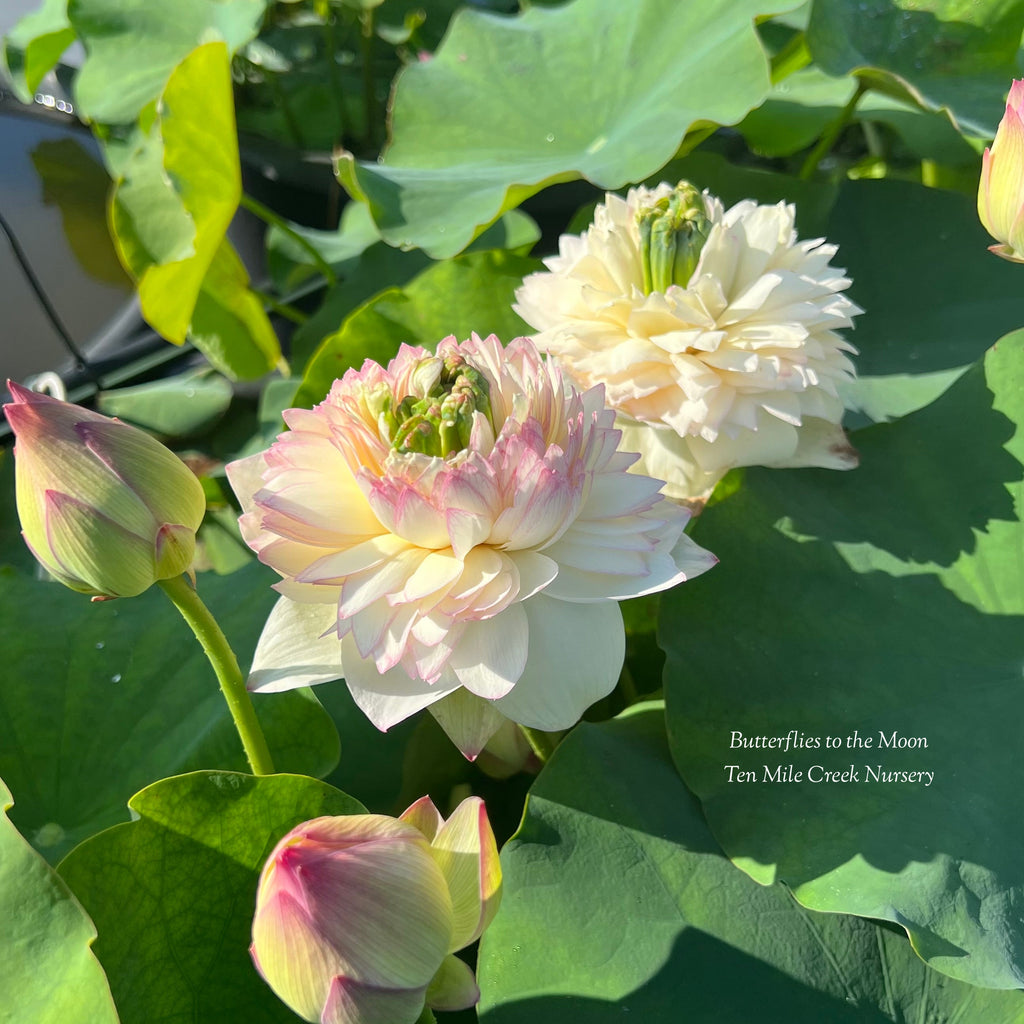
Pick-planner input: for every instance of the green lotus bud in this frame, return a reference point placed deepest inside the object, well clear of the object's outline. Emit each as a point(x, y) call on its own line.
point(421, 432)
point(103, 506)
point(672, 234)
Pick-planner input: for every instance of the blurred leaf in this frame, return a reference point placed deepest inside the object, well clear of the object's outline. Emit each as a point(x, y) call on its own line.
point(48, 973)
point(507, 106)
point(884, 600)
point(132, 47)
point(175, 407)
point(173, 892)
point(618, 905)
point(170, 215)
point(101, 699)
point(35, 44)
point(800, 107)
point(957, 55)
point(473, 292)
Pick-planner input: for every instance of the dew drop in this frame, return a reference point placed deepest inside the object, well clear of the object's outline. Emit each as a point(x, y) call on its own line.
point(116, 677)
point(100, 645)
point(550, 137)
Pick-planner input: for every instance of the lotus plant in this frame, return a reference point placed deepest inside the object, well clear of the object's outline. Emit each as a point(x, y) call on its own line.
point(358, 917)
point(453, 531)
point(1001, 192)
point(714, 332)
point(104, 507)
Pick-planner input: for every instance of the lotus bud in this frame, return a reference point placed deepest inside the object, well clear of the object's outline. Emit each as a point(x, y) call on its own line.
point(672, 234)
point(357, 916)
point(104, 507)
point(1001, 191)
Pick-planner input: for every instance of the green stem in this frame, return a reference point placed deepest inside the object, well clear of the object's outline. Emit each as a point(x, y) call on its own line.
point(832, 132)
point(369, 97)
point(255, 207)
point(331, 39)
point(541, 743)
point(288, 312)
point(225, 664)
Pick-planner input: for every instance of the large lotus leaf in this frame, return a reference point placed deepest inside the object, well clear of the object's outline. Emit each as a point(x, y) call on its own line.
point(172, 893)
point(134, 45)
point(48, 973)
point(99, 700)
point(471, 293)
point(596, 89)
point(35, 44)
point(618, 905)
point(954, 55)
point(170, 212)
point(883, 605)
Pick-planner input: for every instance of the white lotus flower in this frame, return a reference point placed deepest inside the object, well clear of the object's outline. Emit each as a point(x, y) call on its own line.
point(454, 531)
point(713, 331)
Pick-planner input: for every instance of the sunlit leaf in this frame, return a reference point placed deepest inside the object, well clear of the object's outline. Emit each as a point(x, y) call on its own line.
point(48, 973)
point(595, 89)
point(133, 46)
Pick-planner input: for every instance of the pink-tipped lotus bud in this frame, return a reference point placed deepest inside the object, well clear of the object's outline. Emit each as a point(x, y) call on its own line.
point(357, 916)
point(1001, 191)
point(103, 506)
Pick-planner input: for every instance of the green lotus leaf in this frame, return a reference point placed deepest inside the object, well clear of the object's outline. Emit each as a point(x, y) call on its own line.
point(173, 892)
point(619, 905)
point(508, 106)
point(873, 621)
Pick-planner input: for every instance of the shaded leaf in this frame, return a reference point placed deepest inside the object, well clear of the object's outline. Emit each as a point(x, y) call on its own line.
point(886, 600)
point(955, 55)
point(618, 904)
point(99, 700)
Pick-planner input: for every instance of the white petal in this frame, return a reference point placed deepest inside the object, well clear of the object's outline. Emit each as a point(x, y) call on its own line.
point(292, 650)
point(390, 697)
point(576, 655)
point(491, 653)
point(468, 720)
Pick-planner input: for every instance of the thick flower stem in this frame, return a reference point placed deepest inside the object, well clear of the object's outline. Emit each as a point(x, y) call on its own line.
point(541, 743)
point(225, 664)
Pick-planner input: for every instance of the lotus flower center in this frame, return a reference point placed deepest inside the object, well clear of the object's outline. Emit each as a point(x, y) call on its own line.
point(673, 231)
point(440, 422)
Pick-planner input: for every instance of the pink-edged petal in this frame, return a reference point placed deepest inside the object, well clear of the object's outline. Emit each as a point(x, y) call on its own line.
point(576, 655)
point(454, 986)
point(424, 816)
point(467, 854)
point(491, 654)
point(469, 721)
point(293, 651)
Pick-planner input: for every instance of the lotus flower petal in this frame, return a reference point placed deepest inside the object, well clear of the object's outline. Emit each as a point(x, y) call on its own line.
point(418, 543)
point(732, 364)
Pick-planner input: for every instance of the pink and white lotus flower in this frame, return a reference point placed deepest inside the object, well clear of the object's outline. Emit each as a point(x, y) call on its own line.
point(454, 532)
